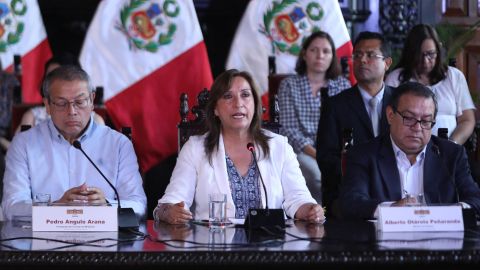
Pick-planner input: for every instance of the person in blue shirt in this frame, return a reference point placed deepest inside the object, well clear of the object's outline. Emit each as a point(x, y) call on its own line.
point(43, 159)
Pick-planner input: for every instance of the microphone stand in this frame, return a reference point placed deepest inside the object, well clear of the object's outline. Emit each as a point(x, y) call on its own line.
point(126, 216)
point(266, 219)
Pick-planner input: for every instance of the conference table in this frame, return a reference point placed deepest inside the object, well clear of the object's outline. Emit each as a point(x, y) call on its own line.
point(335, 244)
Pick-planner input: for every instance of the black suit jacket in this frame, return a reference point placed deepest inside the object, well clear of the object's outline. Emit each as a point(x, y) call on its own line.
point(372, 177)
point(345, 110)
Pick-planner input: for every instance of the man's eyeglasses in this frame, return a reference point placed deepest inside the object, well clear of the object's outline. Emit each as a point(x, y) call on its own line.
point(412, 121)
point(430, 55)
point(357, 56)
point(63, 104)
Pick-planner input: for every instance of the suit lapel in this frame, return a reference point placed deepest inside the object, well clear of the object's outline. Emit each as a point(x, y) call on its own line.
point(356, 103)
point(384, 126)
point(387, 165)
point(432, 173)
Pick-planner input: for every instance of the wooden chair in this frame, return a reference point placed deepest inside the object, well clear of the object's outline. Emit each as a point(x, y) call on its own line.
point(274, 81)
point(196, 124)
point(17, 112)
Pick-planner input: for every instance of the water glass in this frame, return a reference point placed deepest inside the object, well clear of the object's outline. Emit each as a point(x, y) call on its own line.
point(217, 210)
point(42, 199)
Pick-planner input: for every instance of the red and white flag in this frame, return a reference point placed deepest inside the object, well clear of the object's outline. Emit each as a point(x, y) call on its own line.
point(145, 54)
point(22, 33)
point(277, 28)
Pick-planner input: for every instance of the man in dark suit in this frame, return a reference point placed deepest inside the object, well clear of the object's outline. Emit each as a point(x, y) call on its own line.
point(351, 110)
point(409, 163)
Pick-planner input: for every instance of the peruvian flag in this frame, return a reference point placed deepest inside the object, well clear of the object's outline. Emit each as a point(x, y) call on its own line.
point(277, 28)
point(22, 33)
point(145, 54)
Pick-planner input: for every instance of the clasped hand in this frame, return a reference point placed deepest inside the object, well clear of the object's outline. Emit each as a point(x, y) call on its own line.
point(83, 193)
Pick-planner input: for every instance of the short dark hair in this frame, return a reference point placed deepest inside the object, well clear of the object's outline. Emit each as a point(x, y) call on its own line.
point(384, 46)
point(66, 73)
point(413, 88)
point(213, 125)
point(412, 54)
point(333, 70)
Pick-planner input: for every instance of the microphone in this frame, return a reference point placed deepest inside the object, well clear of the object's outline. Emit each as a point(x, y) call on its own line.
point(263, 218)
point(126, 216)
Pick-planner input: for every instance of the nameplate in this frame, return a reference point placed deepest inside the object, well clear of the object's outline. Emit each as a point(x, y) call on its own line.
point(86, 218)
point(420, 219)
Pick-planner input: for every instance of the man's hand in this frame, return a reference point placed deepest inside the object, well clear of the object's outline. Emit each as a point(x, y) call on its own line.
point(83, 193)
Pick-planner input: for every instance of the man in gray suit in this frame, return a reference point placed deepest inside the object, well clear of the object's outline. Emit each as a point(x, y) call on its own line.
point(361, 108)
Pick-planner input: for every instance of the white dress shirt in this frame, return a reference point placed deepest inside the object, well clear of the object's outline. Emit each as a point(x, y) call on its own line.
point(366, 98)
point(40, 160)
point(411, 175)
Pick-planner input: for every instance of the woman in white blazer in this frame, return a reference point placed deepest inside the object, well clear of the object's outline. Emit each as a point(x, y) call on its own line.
point(219, 161)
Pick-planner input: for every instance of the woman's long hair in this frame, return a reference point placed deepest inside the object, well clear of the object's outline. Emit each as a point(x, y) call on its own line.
point(214, 127)
point(333, 70)
point(412, 54)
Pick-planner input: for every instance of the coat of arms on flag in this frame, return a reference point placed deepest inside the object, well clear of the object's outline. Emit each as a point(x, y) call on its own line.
point(278, 28)
point(11, 24)
point(149, 24)
point(287, 24)
point(158, 54)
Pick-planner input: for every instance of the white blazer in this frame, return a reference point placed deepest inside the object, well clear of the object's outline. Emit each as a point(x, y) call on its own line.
point(194, 177)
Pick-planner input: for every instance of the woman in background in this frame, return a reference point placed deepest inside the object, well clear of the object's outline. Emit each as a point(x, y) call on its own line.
point(422, 62)
point(299, 100)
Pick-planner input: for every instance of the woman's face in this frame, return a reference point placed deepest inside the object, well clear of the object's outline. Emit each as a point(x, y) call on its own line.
point(428, 57)
point(236, 107)
point(318, 56)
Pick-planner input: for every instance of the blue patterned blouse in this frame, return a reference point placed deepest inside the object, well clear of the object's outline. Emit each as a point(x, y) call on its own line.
point(245, 190)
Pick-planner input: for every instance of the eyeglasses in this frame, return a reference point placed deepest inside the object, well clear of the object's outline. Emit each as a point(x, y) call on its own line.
point(63, 104)
point(411, 121)
point(430, 55)
point(357, 56)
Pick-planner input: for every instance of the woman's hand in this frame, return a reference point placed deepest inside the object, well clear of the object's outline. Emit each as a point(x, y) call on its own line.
point(173, 213)
point(311, 212)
